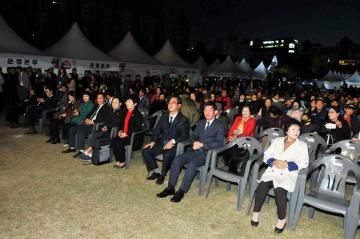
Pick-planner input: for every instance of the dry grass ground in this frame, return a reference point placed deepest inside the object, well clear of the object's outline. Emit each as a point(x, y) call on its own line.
point(46, 194)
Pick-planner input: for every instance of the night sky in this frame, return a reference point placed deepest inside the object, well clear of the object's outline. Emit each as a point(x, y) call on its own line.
point(323, 21)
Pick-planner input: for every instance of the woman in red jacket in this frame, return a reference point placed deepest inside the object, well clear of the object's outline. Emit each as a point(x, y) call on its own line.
point(243, 125)
point(224, 99)
point(235, 158)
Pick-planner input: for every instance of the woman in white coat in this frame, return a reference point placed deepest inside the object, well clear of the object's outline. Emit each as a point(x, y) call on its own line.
point(285, 157)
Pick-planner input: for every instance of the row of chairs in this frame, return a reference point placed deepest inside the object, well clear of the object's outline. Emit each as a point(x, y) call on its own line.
point(328, 173)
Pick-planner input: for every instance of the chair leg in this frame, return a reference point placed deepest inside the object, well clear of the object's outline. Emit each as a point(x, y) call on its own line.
point(202, 182)
point(252, 190)
point(267, 199)
point(228, 186)
point(210, 181)
point(241, 192)
point(311, 212)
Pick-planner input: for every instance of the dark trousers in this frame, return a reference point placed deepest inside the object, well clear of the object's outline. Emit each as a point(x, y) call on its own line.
point(54, 127)
point(193, 160)
point(118, 147)
point(33, 114)
point(280, 198)
point(77, 135)
point(12, 114)
point(150, 161)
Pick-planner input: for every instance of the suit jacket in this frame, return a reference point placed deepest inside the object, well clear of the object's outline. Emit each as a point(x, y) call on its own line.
point(178, 130)
point(212, 138)
point(50, 103)
point(103, 113)
point(116, 117)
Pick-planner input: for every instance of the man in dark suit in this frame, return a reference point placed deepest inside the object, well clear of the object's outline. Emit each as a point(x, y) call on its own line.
point(35, 112)
point(172, 128)
point(209, 134)
point(98, 115)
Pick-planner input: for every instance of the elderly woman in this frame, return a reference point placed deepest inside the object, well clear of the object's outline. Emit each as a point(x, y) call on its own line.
point(285, 157)
point(243, 125)
point(132, 122)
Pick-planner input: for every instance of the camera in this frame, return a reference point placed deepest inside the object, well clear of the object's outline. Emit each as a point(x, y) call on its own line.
point(330, 126)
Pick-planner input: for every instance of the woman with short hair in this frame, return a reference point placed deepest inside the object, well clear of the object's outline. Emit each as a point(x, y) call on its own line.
point(285, 157)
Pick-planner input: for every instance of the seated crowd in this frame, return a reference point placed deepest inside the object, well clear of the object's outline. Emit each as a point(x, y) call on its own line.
point(210, 115)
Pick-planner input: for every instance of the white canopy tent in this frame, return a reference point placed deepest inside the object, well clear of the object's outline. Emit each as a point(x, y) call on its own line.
point(175, 65)
point(75, 50)
point(129, 51)
point(245, 67)
point(228, 68)
point(10, 42)
point(353, 80)
point(330, 80)
point(201, 64)
point(168, 56)
point(274, 62)
point(261, 70)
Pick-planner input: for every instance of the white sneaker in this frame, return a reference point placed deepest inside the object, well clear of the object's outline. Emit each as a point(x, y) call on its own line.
point(66, 145)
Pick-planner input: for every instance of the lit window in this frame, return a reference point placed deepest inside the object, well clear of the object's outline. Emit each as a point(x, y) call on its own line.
point(291, 51)
point(291, 45)
point(251, 43)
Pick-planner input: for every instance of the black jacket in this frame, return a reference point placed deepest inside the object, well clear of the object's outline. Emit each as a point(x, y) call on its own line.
point(178, 130)
point(337, 134)
point(102, 115)
point(135, 124)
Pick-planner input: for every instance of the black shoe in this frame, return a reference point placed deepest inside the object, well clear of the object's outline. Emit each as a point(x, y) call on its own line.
point(153, 176)
point(167, 191)
point(69, 151)
point(49, 140)
point(177, 197)
point(278, 230)
point(55, 141)
point(254, 224)
point(31, 131)
point(160, 180)
point(77, 155)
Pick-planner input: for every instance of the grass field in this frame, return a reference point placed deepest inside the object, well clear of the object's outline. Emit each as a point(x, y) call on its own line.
point(47, 194)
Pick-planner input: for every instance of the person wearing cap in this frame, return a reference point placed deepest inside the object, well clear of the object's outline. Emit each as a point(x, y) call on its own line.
point(63, 117)
point(352, 120)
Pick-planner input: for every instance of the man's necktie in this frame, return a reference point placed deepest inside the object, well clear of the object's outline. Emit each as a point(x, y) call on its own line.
point(171, 120)
point(207, 125)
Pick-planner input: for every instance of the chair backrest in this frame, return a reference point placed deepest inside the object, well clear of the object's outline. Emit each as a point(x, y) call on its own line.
point(269, 135)
point(144, 112)
point(231, 113)
point(252, 144)
point(348, 148)
point(316, 145)
point(156, 117)
point(334, 169)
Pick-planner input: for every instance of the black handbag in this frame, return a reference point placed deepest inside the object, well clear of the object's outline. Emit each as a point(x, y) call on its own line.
point(237, 159)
